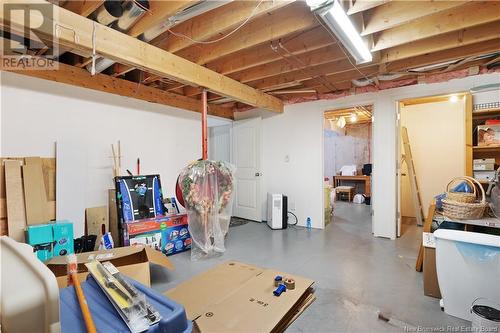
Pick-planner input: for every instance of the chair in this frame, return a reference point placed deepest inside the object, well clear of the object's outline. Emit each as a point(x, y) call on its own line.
point(349, 190)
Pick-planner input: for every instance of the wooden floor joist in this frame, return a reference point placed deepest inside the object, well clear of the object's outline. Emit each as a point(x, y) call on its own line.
point(81, 78)
point(84, 35)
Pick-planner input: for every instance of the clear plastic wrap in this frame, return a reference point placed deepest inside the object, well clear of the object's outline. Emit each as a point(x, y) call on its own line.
point(207, 188)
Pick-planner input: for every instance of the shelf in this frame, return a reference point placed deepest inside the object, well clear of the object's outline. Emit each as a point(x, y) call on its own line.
point(486, 149)
point(486, 112)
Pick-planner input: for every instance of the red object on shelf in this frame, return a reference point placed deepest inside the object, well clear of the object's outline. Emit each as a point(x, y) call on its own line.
point(492, 122)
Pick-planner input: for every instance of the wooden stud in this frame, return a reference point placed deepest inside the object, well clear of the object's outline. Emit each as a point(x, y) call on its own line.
point(362, 5)
point(83, 7)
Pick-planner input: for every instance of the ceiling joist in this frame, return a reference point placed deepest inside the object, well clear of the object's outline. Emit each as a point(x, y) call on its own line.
point(122, 48)
point(468, 15)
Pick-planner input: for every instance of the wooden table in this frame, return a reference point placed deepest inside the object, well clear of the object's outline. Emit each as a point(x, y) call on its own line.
point(337, 181)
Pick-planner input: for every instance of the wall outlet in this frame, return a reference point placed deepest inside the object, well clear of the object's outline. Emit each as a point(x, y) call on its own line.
point(291, 205)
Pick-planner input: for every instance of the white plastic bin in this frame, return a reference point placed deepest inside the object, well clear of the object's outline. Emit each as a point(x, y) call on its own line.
point(29, 294)
point(468, 268)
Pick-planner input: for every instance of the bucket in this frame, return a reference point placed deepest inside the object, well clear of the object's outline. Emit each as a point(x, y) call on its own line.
point(485, 318)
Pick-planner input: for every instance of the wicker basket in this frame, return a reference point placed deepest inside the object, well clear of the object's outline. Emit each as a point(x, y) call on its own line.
point(465, 210)
point(461, 196)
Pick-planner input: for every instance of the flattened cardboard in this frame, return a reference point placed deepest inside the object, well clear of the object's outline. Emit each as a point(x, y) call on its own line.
point(95, 218)
point(15, 200)
point(133, 261)
point(431, 284)
point(113, 217)
point(236, 297)
point(34, 192)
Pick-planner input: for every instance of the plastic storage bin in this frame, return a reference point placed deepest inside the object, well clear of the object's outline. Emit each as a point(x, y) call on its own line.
point(106, 318)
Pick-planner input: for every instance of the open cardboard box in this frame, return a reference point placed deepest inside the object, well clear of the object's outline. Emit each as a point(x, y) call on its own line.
point(237, 297)
point(133, 261)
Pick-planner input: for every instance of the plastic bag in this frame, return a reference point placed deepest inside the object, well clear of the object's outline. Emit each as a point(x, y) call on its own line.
point(207, 188)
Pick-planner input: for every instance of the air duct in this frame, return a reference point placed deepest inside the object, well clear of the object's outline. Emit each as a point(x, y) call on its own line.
point(108, 13)
point(184, 15)
point(102, 64)
point(132, 11)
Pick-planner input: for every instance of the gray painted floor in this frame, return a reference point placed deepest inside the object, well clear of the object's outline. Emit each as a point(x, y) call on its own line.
point(356, 274)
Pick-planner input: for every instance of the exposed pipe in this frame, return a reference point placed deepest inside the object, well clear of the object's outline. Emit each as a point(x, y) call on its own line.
point(102, 64)
point(204, 130)
point(108, 13)
point(132, 11)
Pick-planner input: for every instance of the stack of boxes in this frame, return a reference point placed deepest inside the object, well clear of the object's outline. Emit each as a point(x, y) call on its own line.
point(51, 239)
point(484, 169)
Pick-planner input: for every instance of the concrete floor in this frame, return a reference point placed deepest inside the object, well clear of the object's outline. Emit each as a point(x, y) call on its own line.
point(357, 275)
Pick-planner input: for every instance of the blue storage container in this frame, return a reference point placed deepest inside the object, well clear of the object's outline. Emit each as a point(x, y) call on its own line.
point(106, 318)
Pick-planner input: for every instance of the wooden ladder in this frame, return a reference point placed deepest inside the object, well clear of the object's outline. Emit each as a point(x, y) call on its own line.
point(415, 193)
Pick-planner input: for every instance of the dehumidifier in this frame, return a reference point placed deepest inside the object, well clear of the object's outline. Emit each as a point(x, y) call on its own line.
point(277, 211)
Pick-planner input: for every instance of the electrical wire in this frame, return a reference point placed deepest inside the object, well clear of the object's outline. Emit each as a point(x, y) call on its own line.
point(252, 14)
point(296, 219)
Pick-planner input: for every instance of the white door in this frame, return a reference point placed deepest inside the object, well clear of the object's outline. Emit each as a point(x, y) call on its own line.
point(246, 158)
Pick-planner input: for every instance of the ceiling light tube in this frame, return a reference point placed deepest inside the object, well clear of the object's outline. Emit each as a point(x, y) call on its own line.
point(337, 20)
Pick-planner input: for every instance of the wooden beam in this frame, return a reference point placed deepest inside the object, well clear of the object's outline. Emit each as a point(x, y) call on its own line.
point(159, 11)
point(302, 61)
point(333, 67)
point(449, 40)
point(293, 63)
point(119, 47)
point(468, 15)
point(362, 5)
point(445, 55)
point(81, 78)
point(395, 13)
point(297, 43)
point(278, 24)
point(83, 7)
point(210, 24)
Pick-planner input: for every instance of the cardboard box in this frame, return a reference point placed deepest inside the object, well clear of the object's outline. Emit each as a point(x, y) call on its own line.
point(133, 261)
point(488, 135)
point(237, 297)
point(484, 164)
point(431, 285)
point(168, 234)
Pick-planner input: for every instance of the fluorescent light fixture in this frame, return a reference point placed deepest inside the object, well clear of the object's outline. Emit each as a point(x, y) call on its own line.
point(354, 118)
point(337, 20)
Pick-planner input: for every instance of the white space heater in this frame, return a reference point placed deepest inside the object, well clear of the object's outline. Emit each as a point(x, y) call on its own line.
point(277, 211)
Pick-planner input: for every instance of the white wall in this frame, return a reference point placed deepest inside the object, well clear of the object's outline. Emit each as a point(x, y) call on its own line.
point(36, 113)
point(299, 133)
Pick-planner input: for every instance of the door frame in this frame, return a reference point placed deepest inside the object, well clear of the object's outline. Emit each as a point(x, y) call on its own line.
point(338, 108)
point(467, 144)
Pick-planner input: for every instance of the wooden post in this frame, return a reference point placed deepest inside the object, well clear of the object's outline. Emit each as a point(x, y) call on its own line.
point(204, 139)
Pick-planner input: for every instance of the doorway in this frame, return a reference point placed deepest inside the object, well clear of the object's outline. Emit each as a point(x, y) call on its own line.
point(347, 137)
point(437, 138)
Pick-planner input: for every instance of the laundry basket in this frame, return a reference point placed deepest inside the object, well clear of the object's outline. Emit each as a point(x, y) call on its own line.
point(465, 210)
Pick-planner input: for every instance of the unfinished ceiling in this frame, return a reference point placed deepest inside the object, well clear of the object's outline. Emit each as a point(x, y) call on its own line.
point(278, 48)
point(354, 115)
